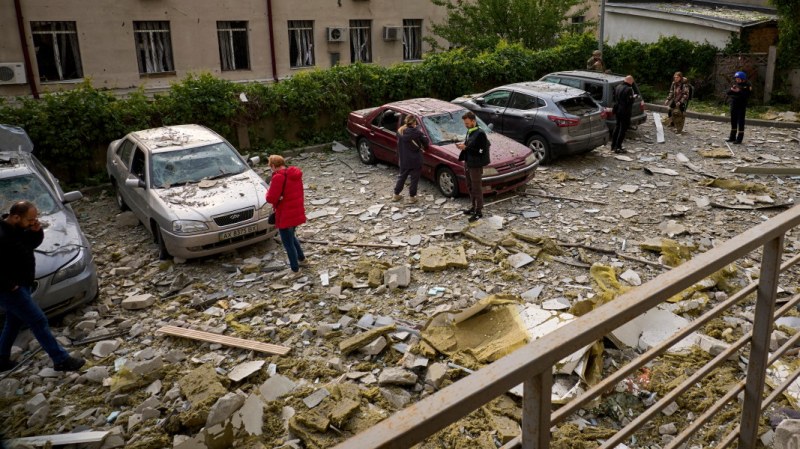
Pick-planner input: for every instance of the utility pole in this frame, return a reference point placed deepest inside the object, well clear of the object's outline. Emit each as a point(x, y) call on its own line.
point(602, 24)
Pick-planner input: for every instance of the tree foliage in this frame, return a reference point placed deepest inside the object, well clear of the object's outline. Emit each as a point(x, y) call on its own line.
point(482, 24)
point(788, 32)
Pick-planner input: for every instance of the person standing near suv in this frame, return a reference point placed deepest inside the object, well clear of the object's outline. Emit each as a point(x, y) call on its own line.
point(411, 143)
point(738, 95)
point(20, 234)
point(677, 100)
point(475, 154)
point(623, 102)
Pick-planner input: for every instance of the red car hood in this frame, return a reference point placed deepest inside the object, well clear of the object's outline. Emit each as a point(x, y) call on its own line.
point(503, 149)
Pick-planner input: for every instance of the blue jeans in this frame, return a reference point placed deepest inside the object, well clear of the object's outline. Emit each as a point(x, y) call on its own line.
point(292, 246)
point(21, 309)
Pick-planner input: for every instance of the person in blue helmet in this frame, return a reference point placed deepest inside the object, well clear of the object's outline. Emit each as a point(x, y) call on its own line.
point(738, 95)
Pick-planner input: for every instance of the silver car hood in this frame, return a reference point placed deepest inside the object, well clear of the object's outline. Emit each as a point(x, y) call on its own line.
point(203, 200)
point(62, 241)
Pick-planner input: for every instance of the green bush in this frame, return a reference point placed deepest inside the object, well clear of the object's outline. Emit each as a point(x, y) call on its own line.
point(71, 129)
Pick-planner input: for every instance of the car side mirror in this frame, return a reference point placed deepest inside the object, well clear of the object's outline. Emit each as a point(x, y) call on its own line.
point(134, 183)
point(480, 101)
point(253, 161)
point(73, 196)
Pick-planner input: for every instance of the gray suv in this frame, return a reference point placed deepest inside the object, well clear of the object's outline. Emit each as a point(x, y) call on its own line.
point(601, 87)
point(552, 120)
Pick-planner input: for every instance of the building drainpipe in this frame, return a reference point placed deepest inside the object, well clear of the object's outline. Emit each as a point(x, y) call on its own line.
point(25, 50)
point(271, 41)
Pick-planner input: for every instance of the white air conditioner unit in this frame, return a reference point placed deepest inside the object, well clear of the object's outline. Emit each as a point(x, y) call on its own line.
point(337, 34)
point(392, 33)
point(12, 73)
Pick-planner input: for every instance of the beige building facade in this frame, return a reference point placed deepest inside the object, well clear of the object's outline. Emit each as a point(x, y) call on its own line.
point(122, 45)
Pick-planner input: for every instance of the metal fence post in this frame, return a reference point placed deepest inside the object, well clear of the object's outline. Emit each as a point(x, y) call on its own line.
point(536, 411)
point(759, 346)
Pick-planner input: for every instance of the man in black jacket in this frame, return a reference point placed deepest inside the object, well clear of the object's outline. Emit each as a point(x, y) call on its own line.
point(20, 234)
point(624, 96)
point(475, 154)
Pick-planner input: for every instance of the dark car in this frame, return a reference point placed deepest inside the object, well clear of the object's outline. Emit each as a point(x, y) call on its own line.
point(552, 120)
point(601, 87)
point(66, 277)
point(374, 132)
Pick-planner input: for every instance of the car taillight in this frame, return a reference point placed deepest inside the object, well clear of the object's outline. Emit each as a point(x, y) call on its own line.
point(607, 113)
point(641, 106)
point(562, 122)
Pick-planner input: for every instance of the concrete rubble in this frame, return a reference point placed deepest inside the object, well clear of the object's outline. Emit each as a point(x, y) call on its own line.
point(356, 320)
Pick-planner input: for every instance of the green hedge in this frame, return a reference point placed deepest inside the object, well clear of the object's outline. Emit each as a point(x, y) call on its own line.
point(71, 129)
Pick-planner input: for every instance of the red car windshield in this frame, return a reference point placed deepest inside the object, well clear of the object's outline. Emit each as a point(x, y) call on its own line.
point(448, 128)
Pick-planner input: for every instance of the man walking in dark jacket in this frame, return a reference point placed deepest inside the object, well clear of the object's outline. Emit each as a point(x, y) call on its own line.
point(20, 234)
point(475, 154)
point(624, 96)
point(411, 143)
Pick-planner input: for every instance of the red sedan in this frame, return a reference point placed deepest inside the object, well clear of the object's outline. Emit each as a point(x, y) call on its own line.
point(374, 132)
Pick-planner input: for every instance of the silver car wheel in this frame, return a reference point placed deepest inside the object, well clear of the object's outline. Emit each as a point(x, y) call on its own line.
point(447, 183)
point(540, 148)
point(365, 152)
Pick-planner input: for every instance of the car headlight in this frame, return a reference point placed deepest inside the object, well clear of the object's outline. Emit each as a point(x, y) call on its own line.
point(489, 171)
point(72, 268)
point(264, 211)
point(530, 159)
point(188, 226)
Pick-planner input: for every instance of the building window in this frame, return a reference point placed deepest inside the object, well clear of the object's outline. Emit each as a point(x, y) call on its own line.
point(57, 52)
point(360, 41)
point(301, 43)
point(412, 39)
point(234, 53)
point(153, 47)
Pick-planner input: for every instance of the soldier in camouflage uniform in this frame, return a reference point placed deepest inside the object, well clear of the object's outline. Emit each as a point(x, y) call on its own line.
point(677, 101)
point(595, 63)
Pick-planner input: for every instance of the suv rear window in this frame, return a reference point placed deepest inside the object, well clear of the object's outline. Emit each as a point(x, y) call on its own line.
point(581, 105)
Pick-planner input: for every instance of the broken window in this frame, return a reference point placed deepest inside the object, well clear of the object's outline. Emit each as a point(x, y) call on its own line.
point(57, 52)
point(234, 53)
point(153, 46)
point(360, 41)
point(412, 39)
point(301, 43)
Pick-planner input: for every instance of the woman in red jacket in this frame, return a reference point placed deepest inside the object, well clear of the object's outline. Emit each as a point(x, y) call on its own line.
point(286, 196)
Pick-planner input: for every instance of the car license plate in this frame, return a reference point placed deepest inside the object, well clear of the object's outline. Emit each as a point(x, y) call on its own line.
point(237, 232)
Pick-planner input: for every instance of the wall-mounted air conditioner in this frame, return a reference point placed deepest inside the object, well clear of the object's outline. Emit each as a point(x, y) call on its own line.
point(337, 34)
point(12, 73)
point(392, 33)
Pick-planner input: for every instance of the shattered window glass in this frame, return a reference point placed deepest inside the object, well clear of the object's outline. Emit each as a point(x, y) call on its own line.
point(581, 105)
point(27, 188)
point(449, 127)
point(360, 41)
point(153, 46)
point(191, 165)
point(57, 53)
point(301, 43)
point(233, 47)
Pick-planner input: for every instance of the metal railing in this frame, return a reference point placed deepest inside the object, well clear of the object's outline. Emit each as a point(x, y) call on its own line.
point(532, 365)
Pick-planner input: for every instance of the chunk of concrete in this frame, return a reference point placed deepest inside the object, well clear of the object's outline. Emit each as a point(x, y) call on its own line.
point(519, 260)
point(224, 408)
point(8, 387)
point(397, 376)
point(316, 397)
point(439, 258)
point(137, 302)
point(360, 340)
point(243, 370)
point(375, 347)
point(96, 374)
point(252, 415)
point(787, 435)
point(398, 397)
point(104, 348)
point(436, 374)
point(275, 387)
point(397, 277)
point(36, 403)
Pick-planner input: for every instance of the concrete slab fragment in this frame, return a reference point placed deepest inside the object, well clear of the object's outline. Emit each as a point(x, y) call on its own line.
point(438, 258)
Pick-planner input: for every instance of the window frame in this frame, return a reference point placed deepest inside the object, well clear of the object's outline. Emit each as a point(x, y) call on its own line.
point(301, 34)
point(412, 28)
point(147, 47)
point(497, 94)
point(61, 40)
point(361, 36)
point(227, 33)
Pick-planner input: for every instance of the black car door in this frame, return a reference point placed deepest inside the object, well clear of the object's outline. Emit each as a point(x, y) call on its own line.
point(520, 116)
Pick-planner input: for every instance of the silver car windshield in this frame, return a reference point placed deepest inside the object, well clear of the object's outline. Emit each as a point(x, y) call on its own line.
point(448, 128)
point(174, 168)
point(27, 188)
